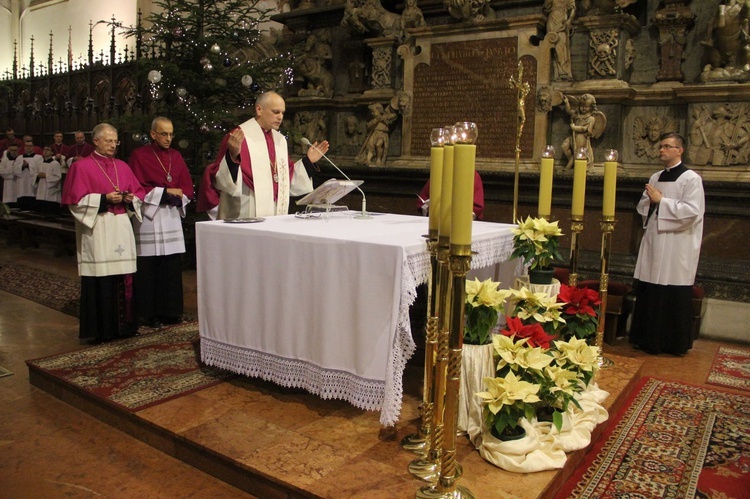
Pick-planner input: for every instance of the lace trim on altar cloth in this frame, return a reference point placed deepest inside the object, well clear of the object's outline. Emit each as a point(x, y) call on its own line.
point(362, 393)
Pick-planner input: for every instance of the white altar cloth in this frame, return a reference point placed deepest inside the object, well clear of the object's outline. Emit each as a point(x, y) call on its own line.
point(321, 304)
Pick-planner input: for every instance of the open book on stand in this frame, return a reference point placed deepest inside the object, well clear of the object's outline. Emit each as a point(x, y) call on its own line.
point(323, 198)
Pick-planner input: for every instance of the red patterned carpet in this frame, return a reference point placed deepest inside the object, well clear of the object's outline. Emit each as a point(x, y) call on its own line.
point(51, 290)
point(670, 441)
point(138, 372)
point(731, 368)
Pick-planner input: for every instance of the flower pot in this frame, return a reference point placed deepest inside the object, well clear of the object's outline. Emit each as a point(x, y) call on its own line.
point(545, 414)
point(541, 276)
point(509, 434)
point(477, 363)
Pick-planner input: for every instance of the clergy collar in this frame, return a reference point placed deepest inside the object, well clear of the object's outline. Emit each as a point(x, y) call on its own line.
point(29, 154)
point(102, 155)
point(673, 173)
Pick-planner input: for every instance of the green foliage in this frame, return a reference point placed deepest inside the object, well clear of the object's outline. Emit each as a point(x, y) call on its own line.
point(199, 51)
point(479, 323)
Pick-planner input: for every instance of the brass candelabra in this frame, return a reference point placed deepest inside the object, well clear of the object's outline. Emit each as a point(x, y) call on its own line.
point(576, 227)
point(608, 227)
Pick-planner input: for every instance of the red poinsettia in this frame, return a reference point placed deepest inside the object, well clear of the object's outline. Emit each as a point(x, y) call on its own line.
point(579, 300)
point(581, 312)
point(534, 332)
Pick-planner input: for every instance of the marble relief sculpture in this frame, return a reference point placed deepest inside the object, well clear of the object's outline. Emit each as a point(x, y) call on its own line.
point(560, 14)
point(312, 125)
point(720, 137)
point(729, 43)
point(603, 53)
point(370, 17)
point(604, 7)
point(375, 148)
point(586, 123)
point(312, 66)
point(470, 10)
point(646, 134)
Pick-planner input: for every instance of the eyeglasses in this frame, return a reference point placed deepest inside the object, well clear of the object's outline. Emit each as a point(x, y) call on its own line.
point(110, 142)
point(165, 134)
point(668, 146)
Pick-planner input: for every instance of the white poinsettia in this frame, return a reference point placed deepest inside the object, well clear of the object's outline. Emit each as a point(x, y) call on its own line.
point(533, 358)
point(485, 293)
point(577, 352)
point(536, 240)
point(537, 306)
point(508, 391)
point(562, 380)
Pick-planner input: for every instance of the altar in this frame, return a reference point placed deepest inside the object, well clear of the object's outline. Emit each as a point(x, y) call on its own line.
point(323, 303)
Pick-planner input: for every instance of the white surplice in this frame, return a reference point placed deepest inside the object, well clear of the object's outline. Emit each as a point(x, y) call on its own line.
point(25, 177)
point(105, 241)
point(9, 179)
point(671, 244)
point(159, 232)
point(49, 188)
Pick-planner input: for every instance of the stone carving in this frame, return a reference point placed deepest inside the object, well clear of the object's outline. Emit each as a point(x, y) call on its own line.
point(544, 98)
point(603, 53)
point(470, 10)
point(673, 22)
point(312, 125)
point(604, 7)
point(729, 43)
point(586, 123)
point(312, 66)
point(646, 134)
point(629, 53)
point(382, 62)
point(370, 17)
point(353, 131)
point(375, 148)
point(560, 15)
point(412, 16)
point(721, 137)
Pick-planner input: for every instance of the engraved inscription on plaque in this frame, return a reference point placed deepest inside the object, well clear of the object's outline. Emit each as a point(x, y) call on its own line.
point(470, 81)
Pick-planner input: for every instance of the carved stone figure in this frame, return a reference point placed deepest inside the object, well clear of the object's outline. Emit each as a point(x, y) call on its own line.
point(729, 42)
point(603, 56)
point(470, 10)
point(382, 62)
point(312, 125)
point(721, 137)
point(370, 17)
point(673, 22)
point(646, 134)
point(586, 123)
point(312, 67)
point(560, 15)
point(544, 99)
point(412, 16)
point(375, 148)
point(604, 7)
point(352, 131)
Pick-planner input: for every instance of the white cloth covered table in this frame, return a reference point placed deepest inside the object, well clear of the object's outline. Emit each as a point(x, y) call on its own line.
point(321, 304)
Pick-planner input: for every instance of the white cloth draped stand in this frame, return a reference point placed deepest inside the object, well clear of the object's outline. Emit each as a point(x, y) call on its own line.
point(323, 304)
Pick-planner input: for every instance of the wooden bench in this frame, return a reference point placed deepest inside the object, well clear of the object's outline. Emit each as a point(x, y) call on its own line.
point(10, 223)
point(61, 234)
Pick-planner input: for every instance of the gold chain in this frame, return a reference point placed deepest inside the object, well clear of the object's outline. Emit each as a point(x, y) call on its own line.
point(169, 173)
point(114, 165)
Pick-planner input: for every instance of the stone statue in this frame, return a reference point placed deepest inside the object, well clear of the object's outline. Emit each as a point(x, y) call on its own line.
point(729, 43)
point(370, 17)
point(470, 10)
point(312, 66)
point(352, 131)
point(586, 123)
point(604, 7)
point(412, 16)
point(375, 148)
point(646, 134)
point(560, 15)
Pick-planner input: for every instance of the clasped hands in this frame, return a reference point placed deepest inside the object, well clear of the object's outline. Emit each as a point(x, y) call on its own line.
point(117, 197)
point(653, 194)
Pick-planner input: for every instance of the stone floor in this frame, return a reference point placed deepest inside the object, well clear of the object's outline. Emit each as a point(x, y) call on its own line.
point(51, 449)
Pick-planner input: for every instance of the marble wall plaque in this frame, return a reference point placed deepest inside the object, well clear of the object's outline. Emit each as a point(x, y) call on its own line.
point(470, 81)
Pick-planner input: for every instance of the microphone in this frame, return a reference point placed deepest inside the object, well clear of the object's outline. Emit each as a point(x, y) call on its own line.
point(362, 215)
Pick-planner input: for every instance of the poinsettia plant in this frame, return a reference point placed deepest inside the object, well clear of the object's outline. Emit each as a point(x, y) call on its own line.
point(533, 307)
point(483, 303)
point(580, 311)
point(536, 241)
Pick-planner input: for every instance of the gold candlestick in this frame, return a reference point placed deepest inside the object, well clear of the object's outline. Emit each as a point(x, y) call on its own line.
point(608, 226)
point(576, 227)
point(419, 443)
point(427, 468)
point(450, 470)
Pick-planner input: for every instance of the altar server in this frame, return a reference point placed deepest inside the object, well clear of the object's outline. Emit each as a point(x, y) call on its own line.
point(48, 183)
point(60, 151)
point(672, 207)
point(159, 237)
point(25, 169)
point(102, 193)
point(252, 175)
point(9, 179)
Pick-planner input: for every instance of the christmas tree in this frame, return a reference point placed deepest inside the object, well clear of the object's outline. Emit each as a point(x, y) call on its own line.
point(204, 62)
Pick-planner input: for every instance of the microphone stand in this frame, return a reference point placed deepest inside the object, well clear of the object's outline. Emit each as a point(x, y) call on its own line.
point(363, 215)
